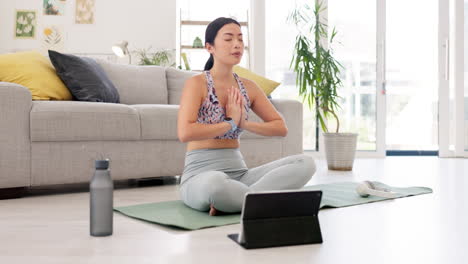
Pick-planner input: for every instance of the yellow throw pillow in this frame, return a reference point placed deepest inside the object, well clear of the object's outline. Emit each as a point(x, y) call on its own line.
point(267, 85)
point(32, 70)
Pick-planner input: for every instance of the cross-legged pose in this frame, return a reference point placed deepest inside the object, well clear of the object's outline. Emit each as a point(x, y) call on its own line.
point(213, 112)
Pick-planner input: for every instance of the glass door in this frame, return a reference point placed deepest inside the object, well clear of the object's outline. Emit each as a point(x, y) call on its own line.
point(359, 47)
point(464, 92)
point(280, 39)
point(394, 71)
point(390, 93)
point(453, 90)
point(411, 77)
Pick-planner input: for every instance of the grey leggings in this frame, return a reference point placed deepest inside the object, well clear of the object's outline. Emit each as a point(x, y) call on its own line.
point(221, 177)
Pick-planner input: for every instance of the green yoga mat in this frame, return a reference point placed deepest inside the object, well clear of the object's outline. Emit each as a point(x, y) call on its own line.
point(177, 214)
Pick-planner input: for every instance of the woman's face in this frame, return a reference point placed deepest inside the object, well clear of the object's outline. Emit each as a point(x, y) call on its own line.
point(228, 45)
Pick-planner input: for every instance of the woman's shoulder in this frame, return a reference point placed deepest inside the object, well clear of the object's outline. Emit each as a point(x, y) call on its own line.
point(197, 78)
point(250, 85)
point(197, 84)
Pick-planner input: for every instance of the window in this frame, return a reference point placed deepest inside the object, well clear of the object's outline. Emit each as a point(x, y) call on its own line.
point(194, 18)
point(280, 37)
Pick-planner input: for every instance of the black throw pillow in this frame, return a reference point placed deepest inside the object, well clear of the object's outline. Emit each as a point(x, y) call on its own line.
point(84, 77)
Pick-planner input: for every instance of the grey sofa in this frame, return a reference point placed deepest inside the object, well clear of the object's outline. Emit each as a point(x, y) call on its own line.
point(55, 142)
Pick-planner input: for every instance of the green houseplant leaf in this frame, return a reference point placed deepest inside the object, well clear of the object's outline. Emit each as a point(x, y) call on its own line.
point(160, 58)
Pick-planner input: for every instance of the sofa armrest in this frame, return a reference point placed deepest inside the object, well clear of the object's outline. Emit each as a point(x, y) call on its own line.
point(291, 110)
point(15, 161)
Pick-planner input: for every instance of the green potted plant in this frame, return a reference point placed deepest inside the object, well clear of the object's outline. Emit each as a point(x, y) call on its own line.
point(318, 78)
point(160, 58)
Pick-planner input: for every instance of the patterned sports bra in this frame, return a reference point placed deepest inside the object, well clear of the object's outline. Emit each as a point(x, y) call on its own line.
point(211, 112)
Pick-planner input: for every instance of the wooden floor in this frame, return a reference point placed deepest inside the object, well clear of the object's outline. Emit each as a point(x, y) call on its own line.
point(53, 227)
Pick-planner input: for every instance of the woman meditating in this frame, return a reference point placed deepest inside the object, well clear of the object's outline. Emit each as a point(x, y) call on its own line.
point(213, 112)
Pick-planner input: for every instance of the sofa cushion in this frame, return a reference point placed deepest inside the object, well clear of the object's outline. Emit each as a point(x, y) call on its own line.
point(158, 121)
point(85, 79)
point(81, 121)
point(175, 83)
point(137, 84)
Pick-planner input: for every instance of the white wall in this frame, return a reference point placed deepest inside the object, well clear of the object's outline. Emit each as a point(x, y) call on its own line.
point(142, 23)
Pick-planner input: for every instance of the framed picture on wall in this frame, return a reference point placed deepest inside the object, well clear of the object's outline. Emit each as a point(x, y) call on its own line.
point(52, 38)
point(54, 7)
point(25, 24)
point(84, 13)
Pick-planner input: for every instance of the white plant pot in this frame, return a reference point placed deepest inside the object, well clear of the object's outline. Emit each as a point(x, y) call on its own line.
point(340, 149)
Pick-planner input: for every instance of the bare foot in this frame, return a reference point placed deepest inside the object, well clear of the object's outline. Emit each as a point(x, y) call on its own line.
point(213, 211)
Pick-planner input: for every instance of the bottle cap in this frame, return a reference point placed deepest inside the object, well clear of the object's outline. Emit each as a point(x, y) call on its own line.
point(102, 164)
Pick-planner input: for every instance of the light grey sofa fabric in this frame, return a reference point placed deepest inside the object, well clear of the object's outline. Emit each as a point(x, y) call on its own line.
point(137, 84)
point(292, 112)
point(72, 162)
point(76, 121)
point(56, 142)
point(15, 155)
point(175, 83)
point(158, 121)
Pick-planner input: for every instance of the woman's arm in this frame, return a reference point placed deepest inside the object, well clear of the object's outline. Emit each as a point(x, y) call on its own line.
point(187, 127)
point(197, 131)
point(273, 124)
point(271, 128)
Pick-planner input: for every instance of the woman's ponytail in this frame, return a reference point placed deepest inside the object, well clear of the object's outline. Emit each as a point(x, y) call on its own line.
point(209, 63)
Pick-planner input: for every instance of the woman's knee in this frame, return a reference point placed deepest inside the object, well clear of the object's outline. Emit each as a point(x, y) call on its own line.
point(309, 167)
point(309, 163)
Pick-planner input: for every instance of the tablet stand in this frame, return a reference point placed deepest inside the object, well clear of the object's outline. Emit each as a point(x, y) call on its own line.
point(283, 226)
point(279, 232)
